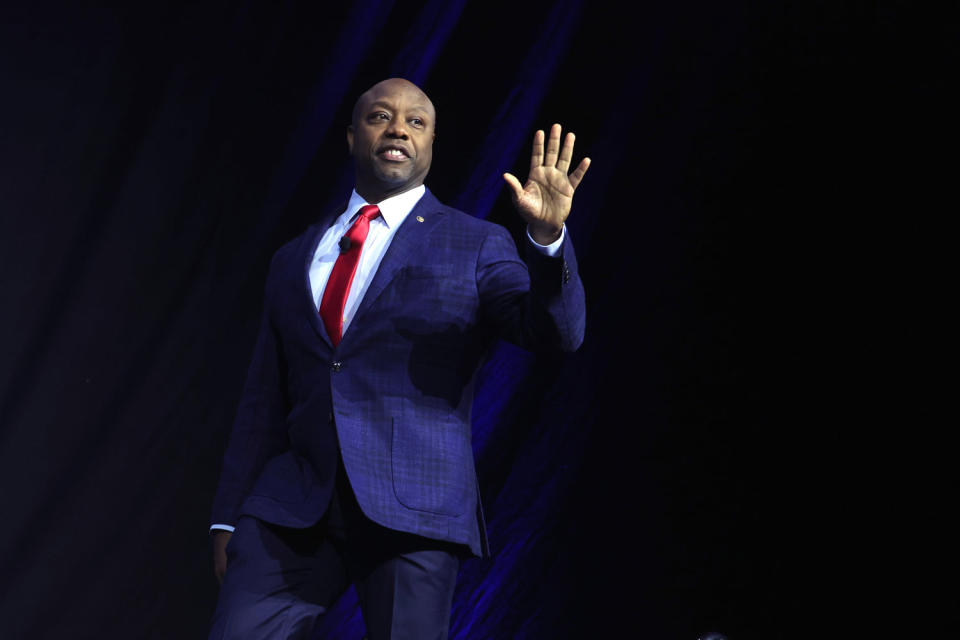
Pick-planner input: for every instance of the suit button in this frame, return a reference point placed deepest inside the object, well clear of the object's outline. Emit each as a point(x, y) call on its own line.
point(335, 365)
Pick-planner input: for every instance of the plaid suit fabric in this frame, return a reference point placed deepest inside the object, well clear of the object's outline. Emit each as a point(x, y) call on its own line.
point(393, 398)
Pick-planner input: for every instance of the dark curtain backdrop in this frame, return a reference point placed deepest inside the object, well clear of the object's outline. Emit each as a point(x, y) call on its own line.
point(154, 155)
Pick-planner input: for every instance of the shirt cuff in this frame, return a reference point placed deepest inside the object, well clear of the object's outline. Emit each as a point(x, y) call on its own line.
point(551, 249)
point(221, 527)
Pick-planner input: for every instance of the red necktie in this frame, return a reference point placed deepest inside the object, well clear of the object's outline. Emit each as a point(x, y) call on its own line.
point(338, 286)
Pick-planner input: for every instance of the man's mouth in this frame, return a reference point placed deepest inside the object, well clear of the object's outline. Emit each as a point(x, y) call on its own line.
point(393, 154)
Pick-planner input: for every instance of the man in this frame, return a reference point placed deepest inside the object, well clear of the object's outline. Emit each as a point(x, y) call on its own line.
point(350, 458)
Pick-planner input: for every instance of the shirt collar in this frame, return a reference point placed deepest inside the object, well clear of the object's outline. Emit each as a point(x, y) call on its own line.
point(394, 209)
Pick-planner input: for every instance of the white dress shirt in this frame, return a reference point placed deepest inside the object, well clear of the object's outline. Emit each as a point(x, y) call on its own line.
point(393, 211)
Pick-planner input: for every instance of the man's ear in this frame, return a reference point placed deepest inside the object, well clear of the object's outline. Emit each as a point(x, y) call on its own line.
point(350, 138)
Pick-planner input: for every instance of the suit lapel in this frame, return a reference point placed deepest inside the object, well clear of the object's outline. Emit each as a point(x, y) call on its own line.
point(409, 240)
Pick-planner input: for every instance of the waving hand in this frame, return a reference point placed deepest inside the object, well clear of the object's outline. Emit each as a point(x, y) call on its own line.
point(546, 198)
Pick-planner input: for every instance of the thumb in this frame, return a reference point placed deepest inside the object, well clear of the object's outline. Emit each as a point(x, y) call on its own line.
point(514, 185)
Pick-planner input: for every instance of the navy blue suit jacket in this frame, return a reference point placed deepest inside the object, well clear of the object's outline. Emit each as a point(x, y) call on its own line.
point(395, 395)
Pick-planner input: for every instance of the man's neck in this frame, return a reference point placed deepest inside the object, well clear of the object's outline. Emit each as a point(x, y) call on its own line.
point(394, 209)
point(374, 196)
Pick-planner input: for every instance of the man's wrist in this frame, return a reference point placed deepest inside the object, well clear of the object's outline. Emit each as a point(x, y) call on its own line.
point(545, 236)
point(220, 527)
point(549, 248)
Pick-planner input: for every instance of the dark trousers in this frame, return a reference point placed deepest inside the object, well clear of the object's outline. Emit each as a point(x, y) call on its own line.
point(280, 580)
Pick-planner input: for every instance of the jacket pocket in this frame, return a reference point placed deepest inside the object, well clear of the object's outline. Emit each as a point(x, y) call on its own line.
point(432, 464)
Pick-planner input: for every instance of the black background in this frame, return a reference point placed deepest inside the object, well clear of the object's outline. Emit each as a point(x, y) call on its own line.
point(154, 156)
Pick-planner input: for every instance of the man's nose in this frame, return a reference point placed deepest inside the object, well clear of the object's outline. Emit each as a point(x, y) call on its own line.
point(397, 130)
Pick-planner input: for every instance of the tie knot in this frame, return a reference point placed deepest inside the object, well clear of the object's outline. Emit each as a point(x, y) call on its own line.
point(370, 211)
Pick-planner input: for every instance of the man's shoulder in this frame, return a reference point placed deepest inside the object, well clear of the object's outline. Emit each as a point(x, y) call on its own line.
point(462, 220)
point(309, 237)
point(295, 245)
point(293, 253)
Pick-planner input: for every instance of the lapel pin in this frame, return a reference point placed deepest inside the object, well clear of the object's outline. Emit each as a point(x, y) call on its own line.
point(419, 218)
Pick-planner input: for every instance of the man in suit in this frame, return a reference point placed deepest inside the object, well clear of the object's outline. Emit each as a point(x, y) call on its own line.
point(350, 458)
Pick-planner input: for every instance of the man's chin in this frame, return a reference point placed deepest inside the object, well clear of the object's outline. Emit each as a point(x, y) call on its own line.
point(393, 178)
point(391, 182)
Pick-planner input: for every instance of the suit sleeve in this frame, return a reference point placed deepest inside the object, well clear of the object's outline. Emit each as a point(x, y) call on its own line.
point(538, 302)
point(259, 432)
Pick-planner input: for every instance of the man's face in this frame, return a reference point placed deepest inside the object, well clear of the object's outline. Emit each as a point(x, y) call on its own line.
point(391, 139)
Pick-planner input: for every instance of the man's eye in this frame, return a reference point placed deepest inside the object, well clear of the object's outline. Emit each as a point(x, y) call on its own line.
point(379, 116)
point(417, 121)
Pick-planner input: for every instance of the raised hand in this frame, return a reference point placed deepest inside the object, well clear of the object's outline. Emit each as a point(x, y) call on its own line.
point(545, 200)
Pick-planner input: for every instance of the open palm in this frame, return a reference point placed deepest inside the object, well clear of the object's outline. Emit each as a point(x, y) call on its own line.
point(545, 200)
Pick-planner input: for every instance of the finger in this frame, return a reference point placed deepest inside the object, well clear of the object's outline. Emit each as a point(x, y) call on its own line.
point(553, 147)
point(566, 153)
point(578, 173)
point(536, 157)
point(515, 186)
